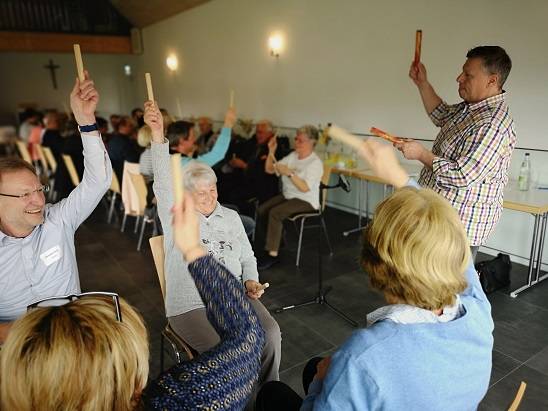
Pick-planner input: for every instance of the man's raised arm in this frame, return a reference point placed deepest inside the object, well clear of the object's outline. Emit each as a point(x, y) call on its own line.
point(97, 167)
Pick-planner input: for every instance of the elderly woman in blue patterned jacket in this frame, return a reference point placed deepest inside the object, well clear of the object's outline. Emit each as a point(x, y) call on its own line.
point(222, 234)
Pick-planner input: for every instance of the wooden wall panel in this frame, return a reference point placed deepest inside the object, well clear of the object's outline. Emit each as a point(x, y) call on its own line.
point(59, 43)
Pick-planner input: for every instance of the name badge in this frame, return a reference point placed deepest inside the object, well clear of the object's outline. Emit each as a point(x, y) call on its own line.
point(52, 255)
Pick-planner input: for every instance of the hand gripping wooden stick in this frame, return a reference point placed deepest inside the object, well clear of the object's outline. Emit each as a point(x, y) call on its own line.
point(79, 62)
point(149, 87)
point(418, 43)
point(177, 174)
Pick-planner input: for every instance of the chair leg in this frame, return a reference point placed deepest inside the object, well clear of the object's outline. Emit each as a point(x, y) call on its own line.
point(143, 224)
point(123, 223)
point(300, 242)
point(111, 208)
point(137, 219)
point(326, 235)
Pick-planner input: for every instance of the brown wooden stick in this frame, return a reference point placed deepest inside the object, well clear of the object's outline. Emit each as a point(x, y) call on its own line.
point(149, 87)
point(178, 191)
point(418, 43)
point(79, 62)
point(517, 400)
point(385, 135)
point(231, 99)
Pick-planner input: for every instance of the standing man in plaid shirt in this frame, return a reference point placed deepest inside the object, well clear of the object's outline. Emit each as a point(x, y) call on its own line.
point(468, 164)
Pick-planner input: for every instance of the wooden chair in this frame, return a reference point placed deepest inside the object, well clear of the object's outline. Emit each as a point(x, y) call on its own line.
point(42, 158)
point(71, 170)
point(52, 165)
point(24, 151)
point(147, 215)
point(302, 217)
point(178, 345)
point(519, 396)
point(114, 192)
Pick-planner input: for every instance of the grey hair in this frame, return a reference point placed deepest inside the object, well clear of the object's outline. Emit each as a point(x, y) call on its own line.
point(268, 124)
point(196, 171)
point(310, 131)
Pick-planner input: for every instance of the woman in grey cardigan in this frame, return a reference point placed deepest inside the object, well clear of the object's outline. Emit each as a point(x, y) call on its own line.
point(222, 234)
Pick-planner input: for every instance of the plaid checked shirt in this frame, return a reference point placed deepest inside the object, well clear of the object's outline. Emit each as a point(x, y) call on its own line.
point(473, 151)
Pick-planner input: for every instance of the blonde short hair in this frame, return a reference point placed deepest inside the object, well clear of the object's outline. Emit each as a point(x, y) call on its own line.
point(75, 357)
point(144, 136)
point(416, 250)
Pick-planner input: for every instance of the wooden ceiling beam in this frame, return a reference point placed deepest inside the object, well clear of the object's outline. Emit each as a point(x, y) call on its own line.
point(62, 43)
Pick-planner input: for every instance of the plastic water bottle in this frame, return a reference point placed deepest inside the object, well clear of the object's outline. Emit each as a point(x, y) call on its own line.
point(525, 174)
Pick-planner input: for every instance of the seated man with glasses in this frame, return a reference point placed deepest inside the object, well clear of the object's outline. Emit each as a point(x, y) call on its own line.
point(37, 256)
point(94, 347)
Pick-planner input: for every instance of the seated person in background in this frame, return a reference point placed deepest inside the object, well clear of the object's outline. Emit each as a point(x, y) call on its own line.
point(167, 118)
point(222, 234)
point(72, 145)
point(207, 137)
point(144, 138)
point(182, 139)
point(246, 178)
point(102, 125)
point(95, 360)
point(301, 173)
point(52, 135)
point(38, 259)
point(123, 147)
point(430, 348)
point(137, 116)
point(30, 118)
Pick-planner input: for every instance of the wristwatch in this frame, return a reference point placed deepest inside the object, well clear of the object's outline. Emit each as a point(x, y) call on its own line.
point(88, 128)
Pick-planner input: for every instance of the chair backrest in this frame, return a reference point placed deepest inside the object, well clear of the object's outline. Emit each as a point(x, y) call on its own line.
point(130, 197)
point(71, 169)
point(325, 180)
point(157, 247)
point(24, 151)
point(138, 181)
point(42, 157)
point(115, 184)
point(50, 158)
point(519, 396)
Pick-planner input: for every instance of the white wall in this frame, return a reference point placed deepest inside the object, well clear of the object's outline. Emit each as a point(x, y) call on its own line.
point(347, 62)
point(24, 79)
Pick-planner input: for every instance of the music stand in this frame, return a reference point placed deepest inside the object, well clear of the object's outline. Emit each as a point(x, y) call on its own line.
point(321, 295)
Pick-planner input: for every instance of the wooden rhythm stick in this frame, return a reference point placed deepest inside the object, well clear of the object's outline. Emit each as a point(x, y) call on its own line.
point(385, 135)
point(418, 43)
point(79, 62)
point(345, 137)
point(178, 191)
point(264, 286)
point(231, 99)
point(149, 87)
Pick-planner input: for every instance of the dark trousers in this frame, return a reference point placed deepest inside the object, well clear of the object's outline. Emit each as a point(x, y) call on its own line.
point(276, 395)
point(474, 250)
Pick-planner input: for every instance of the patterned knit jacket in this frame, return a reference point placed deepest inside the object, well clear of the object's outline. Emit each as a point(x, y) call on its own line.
point(223, 377)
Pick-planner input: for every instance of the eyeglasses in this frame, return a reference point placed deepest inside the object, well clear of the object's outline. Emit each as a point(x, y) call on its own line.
point(65, 299)
point(43, 189)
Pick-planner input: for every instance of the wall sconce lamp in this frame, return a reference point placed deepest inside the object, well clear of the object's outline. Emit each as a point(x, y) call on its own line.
point(275, 44)
point(172, 63)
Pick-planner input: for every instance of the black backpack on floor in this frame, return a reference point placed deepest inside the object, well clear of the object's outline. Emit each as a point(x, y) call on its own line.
point(494, 274)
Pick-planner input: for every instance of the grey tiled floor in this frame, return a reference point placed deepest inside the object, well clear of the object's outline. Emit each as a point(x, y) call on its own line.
point(108, 260)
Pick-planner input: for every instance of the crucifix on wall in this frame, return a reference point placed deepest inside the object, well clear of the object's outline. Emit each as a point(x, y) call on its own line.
point(52, 67)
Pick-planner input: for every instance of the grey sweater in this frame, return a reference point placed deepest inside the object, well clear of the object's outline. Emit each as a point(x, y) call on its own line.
point(222, 234)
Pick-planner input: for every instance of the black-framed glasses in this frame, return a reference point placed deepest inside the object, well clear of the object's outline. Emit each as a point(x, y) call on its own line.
point(65, 299)
point(43, 189)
